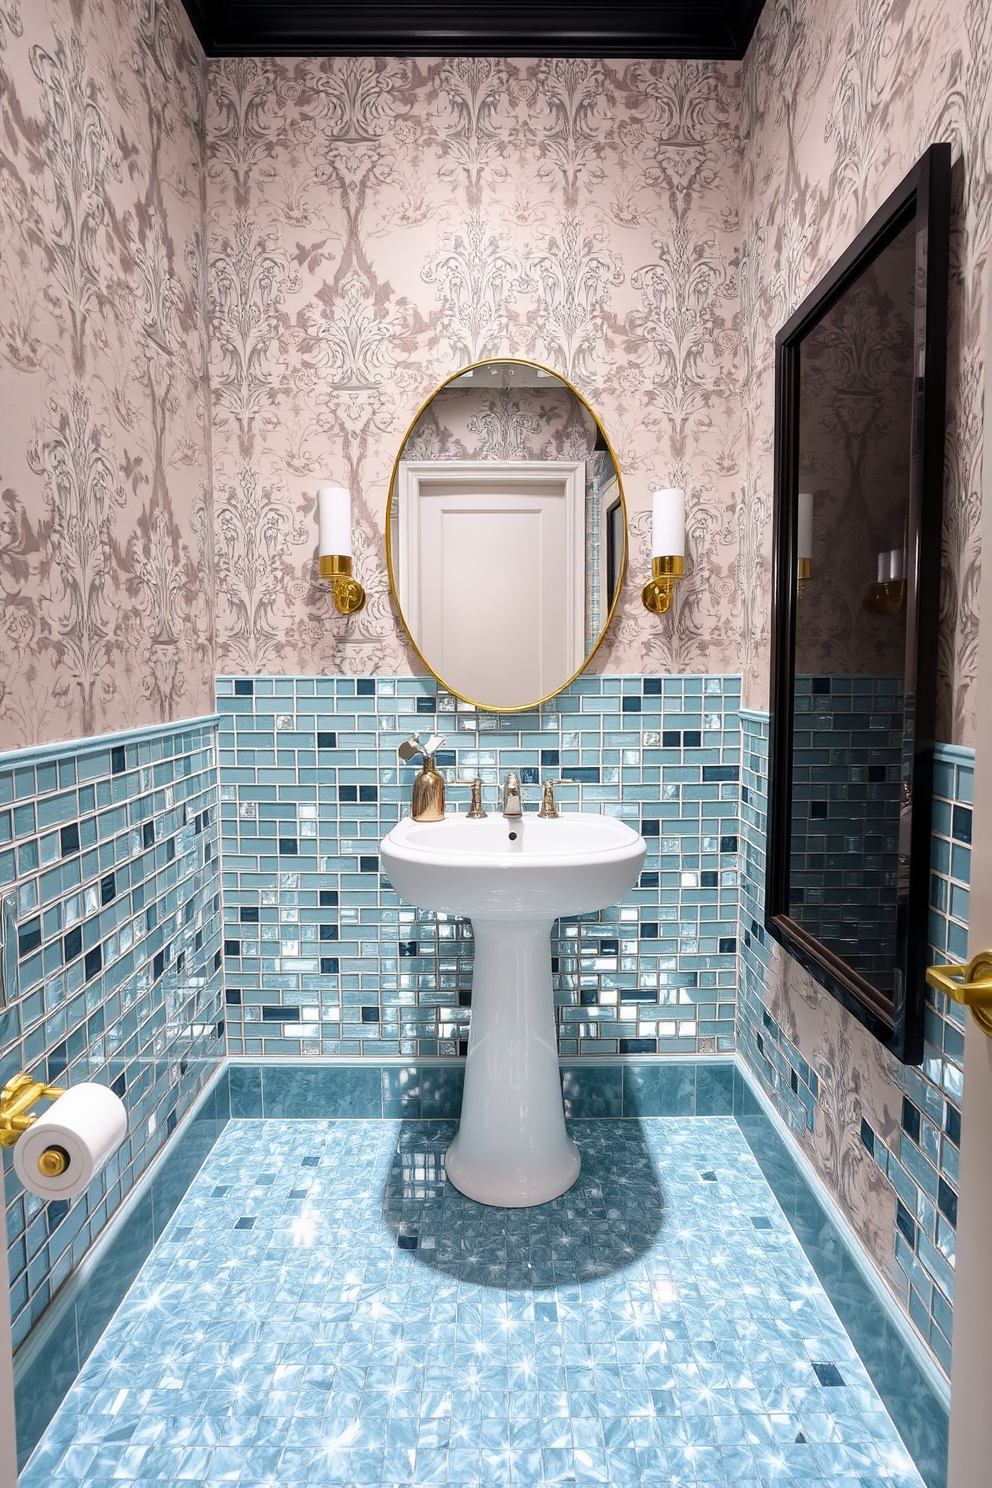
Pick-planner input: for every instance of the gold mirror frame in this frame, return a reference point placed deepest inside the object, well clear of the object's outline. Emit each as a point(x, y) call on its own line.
point(391, 496)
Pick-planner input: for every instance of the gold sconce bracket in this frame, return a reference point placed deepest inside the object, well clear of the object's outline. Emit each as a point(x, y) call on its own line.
point(347, 592)
point(888, 597)
point(970, 984)
point(659, 591)
point(16, 1099)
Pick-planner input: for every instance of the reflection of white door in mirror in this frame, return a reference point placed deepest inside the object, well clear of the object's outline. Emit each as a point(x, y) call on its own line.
point(492, 573)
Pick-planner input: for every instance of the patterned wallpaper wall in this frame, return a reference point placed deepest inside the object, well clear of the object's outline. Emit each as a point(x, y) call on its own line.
point(106, 606)
point(838, 101)
point(375, 223)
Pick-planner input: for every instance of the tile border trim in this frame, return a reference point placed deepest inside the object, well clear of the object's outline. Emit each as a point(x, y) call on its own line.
point(14, 759)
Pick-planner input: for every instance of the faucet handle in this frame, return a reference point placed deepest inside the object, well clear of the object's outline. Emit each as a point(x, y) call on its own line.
point(475, 811)
point(548, 807)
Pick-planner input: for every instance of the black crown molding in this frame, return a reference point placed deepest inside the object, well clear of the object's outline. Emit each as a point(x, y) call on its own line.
point(708, 29)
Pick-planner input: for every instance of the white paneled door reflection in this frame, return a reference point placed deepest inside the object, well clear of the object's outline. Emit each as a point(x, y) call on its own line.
point(492, 574)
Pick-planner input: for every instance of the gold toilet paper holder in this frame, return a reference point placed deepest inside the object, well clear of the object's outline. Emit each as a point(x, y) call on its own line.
point(16, 1099)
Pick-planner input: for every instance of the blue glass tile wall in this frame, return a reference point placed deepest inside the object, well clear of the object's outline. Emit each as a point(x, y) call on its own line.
point(322, 957)
point(110, 850)
point(845, 817)
point(919, 1158)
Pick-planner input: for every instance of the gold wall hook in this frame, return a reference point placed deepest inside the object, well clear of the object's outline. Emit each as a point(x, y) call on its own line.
point(347, 592)
point(969, 984)
point(659, 591)
point(16, 1098)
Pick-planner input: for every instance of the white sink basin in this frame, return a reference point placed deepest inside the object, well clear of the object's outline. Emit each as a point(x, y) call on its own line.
point(524, 866)
point(513, 877)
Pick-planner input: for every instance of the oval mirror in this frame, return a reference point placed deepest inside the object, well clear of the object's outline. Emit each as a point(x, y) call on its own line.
point(506, 535)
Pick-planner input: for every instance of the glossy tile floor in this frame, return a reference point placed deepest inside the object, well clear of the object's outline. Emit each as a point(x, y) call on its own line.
point(325, 1309)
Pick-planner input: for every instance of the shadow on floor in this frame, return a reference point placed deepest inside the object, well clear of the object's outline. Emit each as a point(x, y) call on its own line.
point(607, 1220)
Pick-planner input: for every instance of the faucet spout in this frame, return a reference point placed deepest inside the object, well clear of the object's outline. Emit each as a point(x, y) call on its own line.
point(511, 796)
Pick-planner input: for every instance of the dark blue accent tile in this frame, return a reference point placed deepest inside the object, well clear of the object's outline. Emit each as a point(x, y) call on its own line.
point(427, 705)
point(583, 774)
point(370, 1014)
point(406, 1242)
point(330, 1092)
point(365, 687)
point(952, 1124)
point(288, 847)
point(248, 914)
point(712, 774)
point(368, 864)
point(29, 937)
point(280, 1013)
point(327, 898)
point(761, 1222)
point(961, 829)
point(118, 760)
point(588, 1091)
point(727, 944)
point(867, 1137)
point(649, 828)
point(671, 739)
point(691, 739)
point(638, 1045)
point(652, 686)
point(327, 740)
point(821, 686)
point(243, 687)
point(549, 756)
point(329, 965)
point(69, 838)
point(348, 793)
point(911, 1120)
point(630, 705)
point(947, 1201)
point(659, 1089)
point(246, 1222)
point(828, 1375)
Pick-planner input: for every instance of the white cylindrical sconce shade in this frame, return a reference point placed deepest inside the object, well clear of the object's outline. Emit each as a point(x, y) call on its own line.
point(668, 524)
point(334, 522)
point(897, 564)
point(804, 536)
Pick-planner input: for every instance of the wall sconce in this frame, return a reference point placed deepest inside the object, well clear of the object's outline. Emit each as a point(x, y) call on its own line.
point(887, 595)
point(804, 536)
point(334, 529)
point(667, 550)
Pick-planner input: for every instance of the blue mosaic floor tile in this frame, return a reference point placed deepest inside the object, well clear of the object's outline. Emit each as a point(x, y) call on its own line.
point(324, 1308)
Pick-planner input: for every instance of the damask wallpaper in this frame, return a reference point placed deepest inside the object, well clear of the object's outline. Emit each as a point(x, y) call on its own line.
point(838, 101)
point(374, 224)
point(105, 526)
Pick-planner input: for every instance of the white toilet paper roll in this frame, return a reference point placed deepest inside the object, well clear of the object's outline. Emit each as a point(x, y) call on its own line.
point(87, 1125)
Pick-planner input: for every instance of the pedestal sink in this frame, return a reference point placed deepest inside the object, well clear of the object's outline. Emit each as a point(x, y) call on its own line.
point(513, 877)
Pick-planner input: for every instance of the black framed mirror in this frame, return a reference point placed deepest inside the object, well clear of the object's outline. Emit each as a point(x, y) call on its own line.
point(859, 451)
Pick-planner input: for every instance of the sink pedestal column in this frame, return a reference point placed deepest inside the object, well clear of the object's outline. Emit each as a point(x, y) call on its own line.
point(512, 1149)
